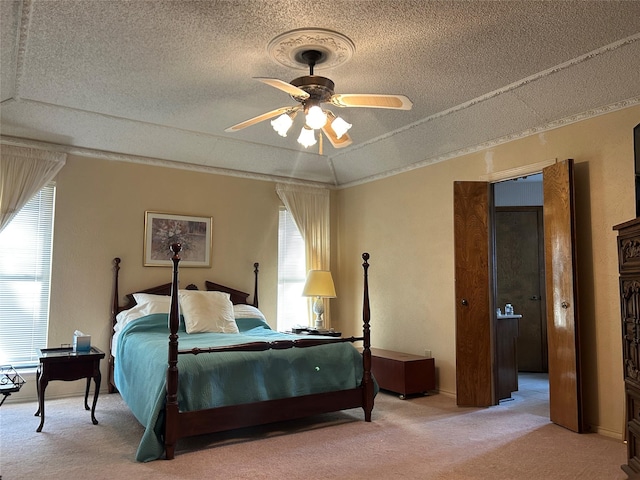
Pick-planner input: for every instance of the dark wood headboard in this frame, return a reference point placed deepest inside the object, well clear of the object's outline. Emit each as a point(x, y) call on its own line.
point(237, 296)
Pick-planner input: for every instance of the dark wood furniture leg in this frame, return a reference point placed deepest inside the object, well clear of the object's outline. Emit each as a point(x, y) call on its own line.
point(41, 385)
point(86, 394)
point(97, 378)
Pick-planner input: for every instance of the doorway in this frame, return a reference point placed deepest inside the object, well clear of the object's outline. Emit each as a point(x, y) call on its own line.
point(475, 293)
point(520, 278)
point(533, 394)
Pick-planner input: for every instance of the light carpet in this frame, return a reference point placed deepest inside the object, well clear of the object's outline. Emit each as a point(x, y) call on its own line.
point(419, 438)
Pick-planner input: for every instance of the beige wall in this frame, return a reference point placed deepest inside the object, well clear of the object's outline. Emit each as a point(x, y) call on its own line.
point(100, 207)
point(406, 223)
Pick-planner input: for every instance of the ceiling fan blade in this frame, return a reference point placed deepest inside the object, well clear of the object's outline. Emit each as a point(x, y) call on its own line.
point(398, 102)
point(284, 86)
point(261, 118)
point(343, 141)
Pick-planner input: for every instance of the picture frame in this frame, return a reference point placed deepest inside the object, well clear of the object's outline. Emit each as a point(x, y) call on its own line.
point(194, 233)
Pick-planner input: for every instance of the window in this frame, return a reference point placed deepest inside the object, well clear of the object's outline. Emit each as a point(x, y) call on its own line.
point(292, 306)
point(25, 274)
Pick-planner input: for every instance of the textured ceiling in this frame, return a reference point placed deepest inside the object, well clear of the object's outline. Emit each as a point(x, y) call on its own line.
point(160, 81)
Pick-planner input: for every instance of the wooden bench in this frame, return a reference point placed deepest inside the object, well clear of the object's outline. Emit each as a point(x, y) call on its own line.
point(403, 373)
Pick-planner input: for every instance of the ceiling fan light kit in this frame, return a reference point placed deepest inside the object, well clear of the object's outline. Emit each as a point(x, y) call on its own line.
point(307, 137)
point(316, 117)
point(306, 48)
point(340, 126)
point(283, 123)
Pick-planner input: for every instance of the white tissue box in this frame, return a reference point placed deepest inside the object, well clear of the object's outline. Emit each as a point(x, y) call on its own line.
point(81, 342)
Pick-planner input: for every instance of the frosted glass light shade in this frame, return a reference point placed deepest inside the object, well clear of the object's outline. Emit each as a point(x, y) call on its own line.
point(340, 126)
point(282, 124)
point(307, 137)
point(316, 118)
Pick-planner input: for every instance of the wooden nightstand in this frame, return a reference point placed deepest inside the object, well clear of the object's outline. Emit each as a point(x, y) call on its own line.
point(65, 364)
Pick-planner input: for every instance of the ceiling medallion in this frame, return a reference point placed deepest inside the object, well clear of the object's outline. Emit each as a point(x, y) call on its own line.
point(287, 48)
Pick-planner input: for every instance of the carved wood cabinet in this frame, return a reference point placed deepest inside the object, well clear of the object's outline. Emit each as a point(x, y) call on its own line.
point(629, 267)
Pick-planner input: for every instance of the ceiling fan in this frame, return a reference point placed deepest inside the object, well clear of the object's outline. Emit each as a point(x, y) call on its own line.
point(311, 91)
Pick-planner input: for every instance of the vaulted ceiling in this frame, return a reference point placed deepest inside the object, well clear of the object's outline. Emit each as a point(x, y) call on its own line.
point(160, 81)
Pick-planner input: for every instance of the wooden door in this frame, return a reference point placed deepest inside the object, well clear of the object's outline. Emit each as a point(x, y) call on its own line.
point(474, 306)
point(475, 373)
point(565, 402)
point(520, 280)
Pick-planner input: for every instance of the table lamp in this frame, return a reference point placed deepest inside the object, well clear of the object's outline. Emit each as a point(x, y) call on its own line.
point(319, 284)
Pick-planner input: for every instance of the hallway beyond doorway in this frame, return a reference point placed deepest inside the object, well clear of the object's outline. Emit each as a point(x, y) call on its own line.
point(532, 395)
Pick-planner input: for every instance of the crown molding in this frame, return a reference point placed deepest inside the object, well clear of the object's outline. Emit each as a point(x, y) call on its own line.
point(154, 162)
point(595, 112)
point(121, 157)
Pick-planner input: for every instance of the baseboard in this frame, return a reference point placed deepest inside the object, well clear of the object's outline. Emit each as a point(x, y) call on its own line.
point(606, 433)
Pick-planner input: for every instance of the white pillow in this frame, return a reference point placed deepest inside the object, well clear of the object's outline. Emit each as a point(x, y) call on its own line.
point(154, 303)
point(146, 304)
point(207, 312)
point(247, 311)
point(127, 316)
point(134, 313)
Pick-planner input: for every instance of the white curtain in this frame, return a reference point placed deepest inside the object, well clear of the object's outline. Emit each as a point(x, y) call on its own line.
point(23, 172)
point(310, 209)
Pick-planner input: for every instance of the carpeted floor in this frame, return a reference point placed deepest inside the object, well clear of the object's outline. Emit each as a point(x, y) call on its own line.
point(419, 438)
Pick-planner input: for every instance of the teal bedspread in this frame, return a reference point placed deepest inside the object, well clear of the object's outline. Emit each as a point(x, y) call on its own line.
point(217, 379)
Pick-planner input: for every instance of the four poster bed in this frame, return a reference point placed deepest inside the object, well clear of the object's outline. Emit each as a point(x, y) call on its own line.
point(236, 374)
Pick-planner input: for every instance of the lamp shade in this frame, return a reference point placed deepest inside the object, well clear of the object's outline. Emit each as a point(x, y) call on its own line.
point(319, 284)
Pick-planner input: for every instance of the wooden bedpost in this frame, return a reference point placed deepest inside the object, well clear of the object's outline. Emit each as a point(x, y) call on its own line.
point(255, 287)
point(367, 381)
point(115, 305)
point(171, 409)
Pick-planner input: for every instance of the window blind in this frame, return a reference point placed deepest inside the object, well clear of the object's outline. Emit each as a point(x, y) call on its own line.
point(25, 274)
point(292, 306)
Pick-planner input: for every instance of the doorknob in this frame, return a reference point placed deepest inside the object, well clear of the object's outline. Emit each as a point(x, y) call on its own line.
point(535, 297)
point(464, 302)
point(564, 305)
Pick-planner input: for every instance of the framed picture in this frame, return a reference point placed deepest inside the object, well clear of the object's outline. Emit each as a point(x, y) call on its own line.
point(161, 230)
